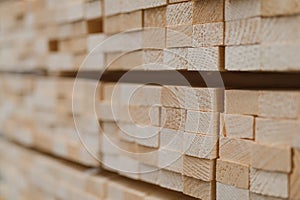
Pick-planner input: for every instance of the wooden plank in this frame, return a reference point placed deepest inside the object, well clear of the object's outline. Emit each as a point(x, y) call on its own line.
point(199, 189)
point(171, 139)
point(132, 21)
point(179, 14)
point(228, 192)
point(254, 196)
point(140, 95)
point(235, 150)
point(204, 99)
point(128, 6)
point(271, 158)
point(237, 126)
point(173, 96)
point(155, 17)
point(208, 11)
point(149, 173)
point(275, 57)
point(241, 102)
point(179, 36)
point(206, 123)
point(173, 118)
point(277, 132)
point(239, 9)
point(269, 183)
point(201, 146)
point(243, 32)
point(175, 59)
point(154, 39)
point(205, 58)
point(242, 58)
point(208, 34)
point(170, 160)
point(112, 7)
point(279, 30)
point(93, 9)
point(294, 181)
point(277, 104)
point(233, 174)
point(170, 180)
point(203, 169)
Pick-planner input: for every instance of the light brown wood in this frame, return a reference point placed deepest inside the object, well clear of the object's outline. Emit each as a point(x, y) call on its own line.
point(179, 14)
point(155, 17)
point(228, 192)
point(271, 158)
point(233, 174)
point(276, 132)
point(205, 58)
point(170, 160)
point(239, 9)
point(237, 126)
point(208, 11)
point(242, 32)
point(179, 36)
point(294, 181)
point(235, 150)
point(175, 58)
point(206, 123)
point(269, 183)
point(201, 146)
point(171, 139)
point(208, 34)
point(203, 169)
point(241, 102)
point(199, 189)
point(170, 180)
point(173, 118)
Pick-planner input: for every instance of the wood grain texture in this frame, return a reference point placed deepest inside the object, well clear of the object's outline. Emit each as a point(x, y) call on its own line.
point(277, 7)
point(235, 150)
point(279, 30)
point(175, 58)
point(205, 58)
point(255, 196)
point(242, 32)
point(171, 139)
point(208, 34)
point(206, 123)
point(179, 36)
point(239, 9)
point(276, 104)
point(170, 160)
point(241, 102)
point(228, 192)
point(207, 11)
point(203, 169)
point(170, 180)
point(204, 99)
point(233, 174)
point(179, 14)
point(199, 189)
point(271, 158)
point(294, 181)
point(269, 183)
point(201, 146)
point(237, 126)
point(277, 132)
point(173, 118)
point(173, 96)
point(155, 17)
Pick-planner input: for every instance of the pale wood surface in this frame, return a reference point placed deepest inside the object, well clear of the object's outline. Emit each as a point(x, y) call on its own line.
point(199, 189)
point(228, 192)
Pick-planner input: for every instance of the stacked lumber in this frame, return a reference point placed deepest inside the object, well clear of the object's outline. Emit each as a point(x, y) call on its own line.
point(50, 35)
point(262, 35)
point(180, 35)
point(27, 174)
point(164, 135)
point(38, 113)
point(259, 145)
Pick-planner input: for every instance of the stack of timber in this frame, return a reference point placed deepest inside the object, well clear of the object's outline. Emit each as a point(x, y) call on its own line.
point(178, 35)
point(27, 174)
point(165, 135)
point(50, 35)
point(38, 113)
point(259, 145)
point(262, 35)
